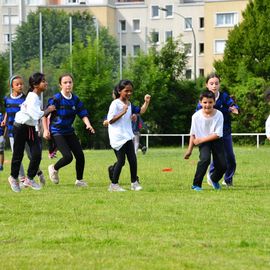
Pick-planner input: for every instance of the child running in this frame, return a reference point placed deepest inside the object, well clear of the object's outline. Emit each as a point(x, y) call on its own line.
point(120, 133)
point(25, 131)
point(206, 132)
point(67, 106)
point(12, 104)
point(227, 106)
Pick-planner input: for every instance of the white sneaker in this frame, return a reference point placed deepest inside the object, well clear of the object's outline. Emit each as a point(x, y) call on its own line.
point(80, 183)
point(115, 187)
point(53, 174)
point(42, 179)
point(31, 183)
point(14, 184)
point(136, 186)
point(209, 180)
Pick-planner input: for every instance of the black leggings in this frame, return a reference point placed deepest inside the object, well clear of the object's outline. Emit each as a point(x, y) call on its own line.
point(126, 149)
point(68, 144)
point(25, 134)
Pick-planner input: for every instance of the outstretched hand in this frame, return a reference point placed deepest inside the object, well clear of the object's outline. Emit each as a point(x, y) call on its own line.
point(90, 129)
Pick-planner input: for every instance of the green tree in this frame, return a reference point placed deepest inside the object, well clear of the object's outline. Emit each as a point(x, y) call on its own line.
point(248, 46)
point(3, 78)
point(93, 73)
point(160, 74)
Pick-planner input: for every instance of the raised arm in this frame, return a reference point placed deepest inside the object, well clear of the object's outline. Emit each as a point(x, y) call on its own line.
point(144, 107)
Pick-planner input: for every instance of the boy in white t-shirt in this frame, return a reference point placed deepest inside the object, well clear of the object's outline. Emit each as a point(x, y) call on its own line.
point(206, 132)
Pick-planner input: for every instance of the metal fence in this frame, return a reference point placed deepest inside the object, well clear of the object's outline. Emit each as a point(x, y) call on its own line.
point(182, 136)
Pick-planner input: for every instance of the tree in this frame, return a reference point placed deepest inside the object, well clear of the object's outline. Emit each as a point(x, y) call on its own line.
point(252, 56)
point(93, 73)
point(245, 68)
point(3, 78)
point(160, 75)
point(56, 35)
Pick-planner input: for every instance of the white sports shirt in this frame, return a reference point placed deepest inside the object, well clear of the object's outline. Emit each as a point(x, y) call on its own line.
point(120, 131)
point(202, 126)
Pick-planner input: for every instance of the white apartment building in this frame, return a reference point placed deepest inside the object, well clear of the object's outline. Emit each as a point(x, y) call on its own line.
point(202, 24)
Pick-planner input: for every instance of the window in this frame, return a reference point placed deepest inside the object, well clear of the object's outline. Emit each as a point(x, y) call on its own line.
point(10, 2)
point(226, 19)
point(123, 26)
point(136, 26)
point(168, 34)
point(155, 37)
point(6, 38)
point(136, 50)
point(13, 18)
point(188, 73)
point(124, 50)
point(169, 11)
point(188, 48)
point(33, 2)
point(155, 12)
point(201, 72)
point(201, 48)
point(201, 22)
point(188, 23)
point(220, 46)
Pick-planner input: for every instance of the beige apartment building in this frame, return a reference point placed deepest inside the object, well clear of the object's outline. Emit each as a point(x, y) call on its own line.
point(203, 25)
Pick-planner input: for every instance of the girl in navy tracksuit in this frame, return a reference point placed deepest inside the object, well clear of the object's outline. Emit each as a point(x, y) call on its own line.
point(60, 128)
point(226, 105)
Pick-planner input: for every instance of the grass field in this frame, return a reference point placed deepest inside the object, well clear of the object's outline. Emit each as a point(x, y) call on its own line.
point(165, 226)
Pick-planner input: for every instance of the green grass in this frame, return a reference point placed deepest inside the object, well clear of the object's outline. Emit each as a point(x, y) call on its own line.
point(165, 226)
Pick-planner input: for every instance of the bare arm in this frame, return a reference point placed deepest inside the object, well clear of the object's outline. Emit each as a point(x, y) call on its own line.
point(88, 124)
point(118, 116)
point(208, 138)
point(3, 123)
point(190, 147)
point(45, 124)
point(144, 107)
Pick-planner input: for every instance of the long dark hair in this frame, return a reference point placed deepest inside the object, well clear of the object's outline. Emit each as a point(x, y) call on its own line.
point(35, 79)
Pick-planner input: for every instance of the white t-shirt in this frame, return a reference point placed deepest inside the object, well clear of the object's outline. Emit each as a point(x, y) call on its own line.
point(267, 127)
point(120, 131)
point(30, 111)
point(202, 126)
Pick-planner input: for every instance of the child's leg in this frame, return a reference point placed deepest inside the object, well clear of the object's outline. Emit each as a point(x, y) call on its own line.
point(21, 171)
point(202, 165)
point(132, 160)
point(136, 142)
point(218, 160)
point(120, 154)
point(77, 151)
point(35, 153)
point(20, 137)
point(65, 150)
point(230, 159)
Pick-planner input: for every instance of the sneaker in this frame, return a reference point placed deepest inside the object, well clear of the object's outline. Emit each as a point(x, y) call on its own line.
point(136, 186)
point(211, 183)
point(144, 149)
point(21, 180)
point(209, 180)
point(197, 188)
point(31, 183)
point(216, 186)
point(80, 183)
point(53, 174)
point(42, 179)
point(110, 171)
point(115, 187)
point(224, 183)
point(14, 184)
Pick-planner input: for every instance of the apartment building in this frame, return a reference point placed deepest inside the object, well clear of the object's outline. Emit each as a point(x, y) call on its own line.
point(203, 25)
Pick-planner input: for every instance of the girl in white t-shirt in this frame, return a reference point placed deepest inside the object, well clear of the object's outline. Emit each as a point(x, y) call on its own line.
point(119, 118)
point(25, 131)
point(207, 132)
